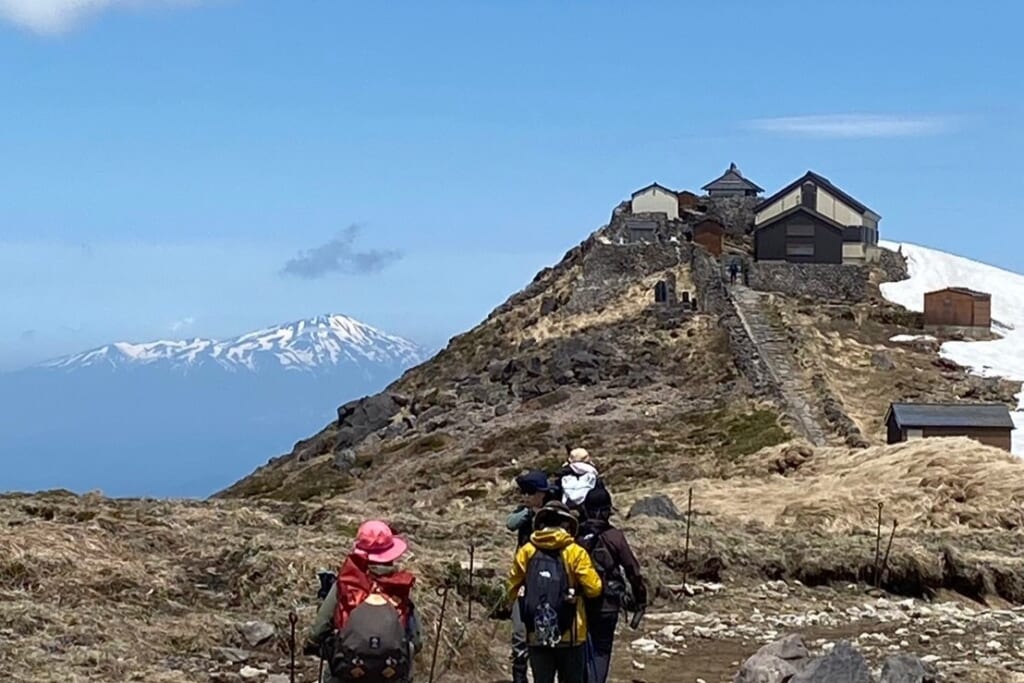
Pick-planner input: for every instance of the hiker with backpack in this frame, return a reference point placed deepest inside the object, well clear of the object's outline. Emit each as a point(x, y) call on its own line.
point(551, 576)
point(623, 585)
point(366, 628)
point(534, 488)
point(577, 478)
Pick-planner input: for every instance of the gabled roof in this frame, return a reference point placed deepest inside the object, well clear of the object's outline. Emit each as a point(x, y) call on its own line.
point(651, 187)
point(974, 294)
point(988, 415)
point(709, 223)
point(822, 182)
point(732, 179)
point(799, 208)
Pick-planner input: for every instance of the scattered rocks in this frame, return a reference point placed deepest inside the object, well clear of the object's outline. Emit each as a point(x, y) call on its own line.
point(655, 506)
point(257, 633)
point(362, 417)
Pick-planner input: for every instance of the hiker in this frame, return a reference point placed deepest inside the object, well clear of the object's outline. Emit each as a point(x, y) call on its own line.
point(577, 478)
point(550, 575)
point(366, 628)
point(734, 270)
point(534, 488)
point(623, 584)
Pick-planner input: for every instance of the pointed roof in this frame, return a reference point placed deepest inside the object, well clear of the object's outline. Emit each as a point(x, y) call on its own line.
point(732, 180)
point(825, 184)
point(652, 186)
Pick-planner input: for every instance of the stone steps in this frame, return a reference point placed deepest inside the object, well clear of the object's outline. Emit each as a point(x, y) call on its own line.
point(773, 345)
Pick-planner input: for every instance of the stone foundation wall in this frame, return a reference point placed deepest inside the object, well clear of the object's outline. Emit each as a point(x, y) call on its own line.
point(713, 298)
point(735, 213)
point(893, 266)
point(821, 281)
point(610, 268)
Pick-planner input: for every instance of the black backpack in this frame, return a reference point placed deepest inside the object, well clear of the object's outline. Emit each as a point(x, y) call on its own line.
point(373, 646)
point(613, 581)
point(547, 609)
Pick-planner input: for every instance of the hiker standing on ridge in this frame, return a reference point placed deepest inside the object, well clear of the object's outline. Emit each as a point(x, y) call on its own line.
point(734, 270)
point(623, 585)
point(534, 488)
point(550, 576)
point(366, 628)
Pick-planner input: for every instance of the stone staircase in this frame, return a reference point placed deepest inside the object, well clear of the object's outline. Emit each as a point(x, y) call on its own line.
point(776, 352)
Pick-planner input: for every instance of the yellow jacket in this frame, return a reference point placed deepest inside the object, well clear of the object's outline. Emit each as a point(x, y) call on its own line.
point(582, 575)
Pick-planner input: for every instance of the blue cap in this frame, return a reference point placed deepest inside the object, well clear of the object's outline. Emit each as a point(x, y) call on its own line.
point(533, 481)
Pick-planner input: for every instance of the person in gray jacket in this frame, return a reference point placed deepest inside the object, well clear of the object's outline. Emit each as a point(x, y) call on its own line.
point(535, 489)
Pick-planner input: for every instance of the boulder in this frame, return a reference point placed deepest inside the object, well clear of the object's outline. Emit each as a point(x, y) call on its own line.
point(906, 669)
point(776, 662)
point(257, 632)
point(345, 459)
point(362, 417)
point(655, 506)
point(843, 664)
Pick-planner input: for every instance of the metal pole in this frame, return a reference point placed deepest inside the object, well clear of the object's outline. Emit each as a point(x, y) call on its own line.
point(472, 557)
point(878, 542)
point(885, 562)
point(293, 618)
point(686, 548)
point(443, 592)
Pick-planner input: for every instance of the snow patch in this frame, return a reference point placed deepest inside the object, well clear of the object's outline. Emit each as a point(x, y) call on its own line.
point(930, 270)
point(907, 338)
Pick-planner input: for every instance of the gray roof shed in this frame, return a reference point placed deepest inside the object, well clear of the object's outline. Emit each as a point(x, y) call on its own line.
point(984, 415)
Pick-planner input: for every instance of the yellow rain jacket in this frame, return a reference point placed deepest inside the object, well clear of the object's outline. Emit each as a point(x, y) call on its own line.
point(582, 575)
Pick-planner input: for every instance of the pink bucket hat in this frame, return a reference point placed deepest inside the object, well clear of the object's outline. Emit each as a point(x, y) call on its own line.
point(377, 543)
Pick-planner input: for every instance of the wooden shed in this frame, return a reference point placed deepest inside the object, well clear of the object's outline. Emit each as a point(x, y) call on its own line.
point(688, 201)
point(799, 235)
point(709, 233)
point(958, 309)
point(989, 423)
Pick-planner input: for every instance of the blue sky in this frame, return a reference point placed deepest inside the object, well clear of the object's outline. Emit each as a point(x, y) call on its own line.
point(162, 161)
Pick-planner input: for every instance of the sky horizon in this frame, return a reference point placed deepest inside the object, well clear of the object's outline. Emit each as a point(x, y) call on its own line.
point(182, 168)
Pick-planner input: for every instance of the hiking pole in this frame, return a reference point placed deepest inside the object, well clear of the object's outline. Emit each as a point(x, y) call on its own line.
point(686, 548)
point(472, 553)
point(878, 541)
point(293, 618)
point(885, 562)
point(443, 592)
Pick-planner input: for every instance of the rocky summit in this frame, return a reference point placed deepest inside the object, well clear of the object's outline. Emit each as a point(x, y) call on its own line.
point(739, 429)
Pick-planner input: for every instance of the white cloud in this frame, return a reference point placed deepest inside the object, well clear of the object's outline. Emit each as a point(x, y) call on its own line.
point(854, 125)
point(58, 16)
point(179, 325)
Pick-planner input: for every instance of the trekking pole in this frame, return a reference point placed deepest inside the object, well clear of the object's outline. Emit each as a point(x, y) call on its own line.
point(686, 548)
point(293, 618)
point(443, 592)
point(885, 562)
point(878, 542)
point(472, 553)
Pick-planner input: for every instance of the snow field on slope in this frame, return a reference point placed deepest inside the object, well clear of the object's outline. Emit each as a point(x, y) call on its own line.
point(930, 270)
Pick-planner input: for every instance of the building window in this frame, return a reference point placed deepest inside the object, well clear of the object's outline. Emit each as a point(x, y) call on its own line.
point(799, 249)
point(800, 230)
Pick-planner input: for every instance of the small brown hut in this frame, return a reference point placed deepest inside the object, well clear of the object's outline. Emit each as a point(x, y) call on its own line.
point(958, 309)
point(708, 233)
point(687, 201)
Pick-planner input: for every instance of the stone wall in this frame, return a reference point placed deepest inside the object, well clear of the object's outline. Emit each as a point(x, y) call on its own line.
point(735, 213)
point(893, 266)
point(821, 281)
point(713, 298)
point(611, 268)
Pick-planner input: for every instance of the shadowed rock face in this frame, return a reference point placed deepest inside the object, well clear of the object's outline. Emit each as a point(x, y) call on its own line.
point(788, 661)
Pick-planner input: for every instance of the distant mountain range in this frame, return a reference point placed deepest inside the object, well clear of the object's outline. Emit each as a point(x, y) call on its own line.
point(182, 417)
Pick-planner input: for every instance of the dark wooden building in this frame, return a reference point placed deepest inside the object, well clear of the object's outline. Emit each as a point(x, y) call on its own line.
point(799, 235)
point(958, 309)
point(709, 233)
point(732, 184)
point(688, 201)
point(989, 423)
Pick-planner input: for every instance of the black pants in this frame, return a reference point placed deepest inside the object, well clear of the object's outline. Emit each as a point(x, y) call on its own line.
point(601, 627)
point(569, 663)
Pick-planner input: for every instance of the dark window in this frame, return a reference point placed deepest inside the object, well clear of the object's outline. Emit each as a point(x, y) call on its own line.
point(800, 230)
point(799, 249)
point(661, 292)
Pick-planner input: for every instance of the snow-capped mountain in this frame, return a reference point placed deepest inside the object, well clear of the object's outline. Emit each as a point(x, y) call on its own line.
point(930, 270)
point(184, 417)
point(303, 346)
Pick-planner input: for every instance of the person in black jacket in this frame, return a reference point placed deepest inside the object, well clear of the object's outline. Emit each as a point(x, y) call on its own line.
point(620, 574)
point(535, 490)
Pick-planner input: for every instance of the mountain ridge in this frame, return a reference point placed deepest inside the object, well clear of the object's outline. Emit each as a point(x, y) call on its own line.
point(301, 345)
